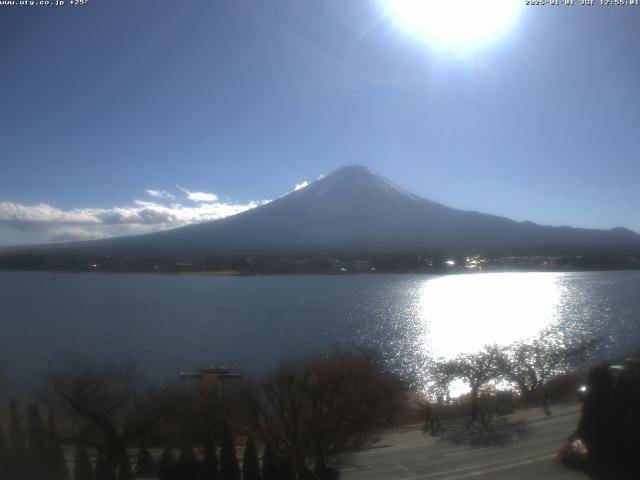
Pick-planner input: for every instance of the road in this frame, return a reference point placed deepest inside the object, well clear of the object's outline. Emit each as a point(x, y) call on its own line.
point(412, 455)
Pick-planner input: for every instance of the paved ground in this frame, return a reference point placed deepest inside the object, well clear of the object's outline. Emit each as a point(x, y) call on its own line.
point(528, 452)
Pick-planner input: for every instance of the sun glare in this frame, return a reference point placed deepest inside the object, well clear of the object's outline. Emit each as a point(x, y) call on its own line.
point(463, 313)
point(460, 24)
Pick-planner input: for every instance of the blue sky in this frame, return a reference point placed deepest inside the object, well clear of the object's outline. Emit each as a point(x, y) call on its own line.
point(242, 100)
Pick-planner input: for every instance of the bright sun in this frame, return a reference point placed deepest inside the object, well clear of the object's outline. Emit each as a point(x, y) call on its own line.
point(457, 24)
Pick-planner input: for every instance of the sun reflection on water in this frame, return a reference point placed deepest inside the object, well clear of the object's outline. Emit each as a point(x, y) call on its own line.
point(462, 313)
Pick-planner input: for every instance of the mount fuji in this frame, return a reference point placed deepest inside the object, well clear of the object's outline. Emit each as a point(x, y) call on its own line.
point(354, 210)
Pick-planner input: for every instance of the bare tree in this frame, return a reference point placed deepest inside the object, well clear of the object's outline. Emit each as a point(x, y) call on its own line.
point(529, 365)
point(110, 407)
point(479, 369)
point(441, 373)
point(206, 411)
point(325, 405)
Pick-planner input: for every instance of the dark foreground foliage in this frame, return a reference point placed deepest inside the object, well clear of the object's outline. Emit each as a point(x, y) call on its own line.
point(310, 410)
point(110, 424)
point(610, 421)
point(168, 464)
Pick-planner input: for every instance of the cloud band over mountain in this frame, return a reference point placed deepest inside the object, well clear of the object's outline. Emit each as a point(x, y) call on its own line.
point(165, 211)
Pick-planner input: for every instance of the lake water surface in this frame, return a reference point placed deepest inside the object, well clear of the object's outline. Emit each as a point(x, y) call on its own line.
point(169, 323)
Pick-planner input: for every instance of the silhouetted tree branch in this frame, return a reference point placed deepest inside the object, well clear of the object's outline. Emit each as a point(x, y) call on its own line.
point(111, 407)
point(479, 369)
point(441, 373)
point(325, 405)
point(529, 365)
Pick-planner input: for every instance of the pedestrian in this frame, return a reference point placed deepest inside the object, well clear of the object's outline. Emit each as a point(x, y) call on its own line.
point(435, 425)
point(546, 403)
point(427, 417)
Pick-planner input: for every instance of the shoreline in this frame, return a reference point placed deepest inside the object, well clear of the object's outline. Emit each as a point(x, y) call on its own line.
point(237, 273)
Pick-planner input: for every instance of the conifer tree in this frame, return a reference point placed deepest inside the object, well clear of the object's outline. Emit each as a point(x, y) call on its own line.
point(37, 456)
point(270, 468)
point(82, 465)
point(101, 467)
point(166, 465)
point(106, 467)
point(18, 448)
point(209, 464)
point(250, 464)
point(229, 468)
point(187, 465)
point(4, 456)
point(124, 467)
point(56, 463)
point(144, 465)
point(287, 471)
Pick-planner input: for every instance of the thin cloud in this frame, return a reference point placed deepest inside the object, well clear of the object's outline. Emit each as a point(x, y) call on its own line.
point(199, 197)
point(143, 213)
point(141, 217)
point(161, 194)
point(74, 234)
point(22, 216)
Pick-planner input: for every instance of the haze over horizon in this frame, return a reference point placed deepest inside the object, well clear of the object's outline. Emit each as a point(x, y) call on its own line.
point(200, 111)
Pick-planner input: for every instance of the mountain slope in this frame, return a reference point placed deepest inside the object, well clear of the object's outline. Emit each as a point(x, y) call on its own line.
point(353, 210)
